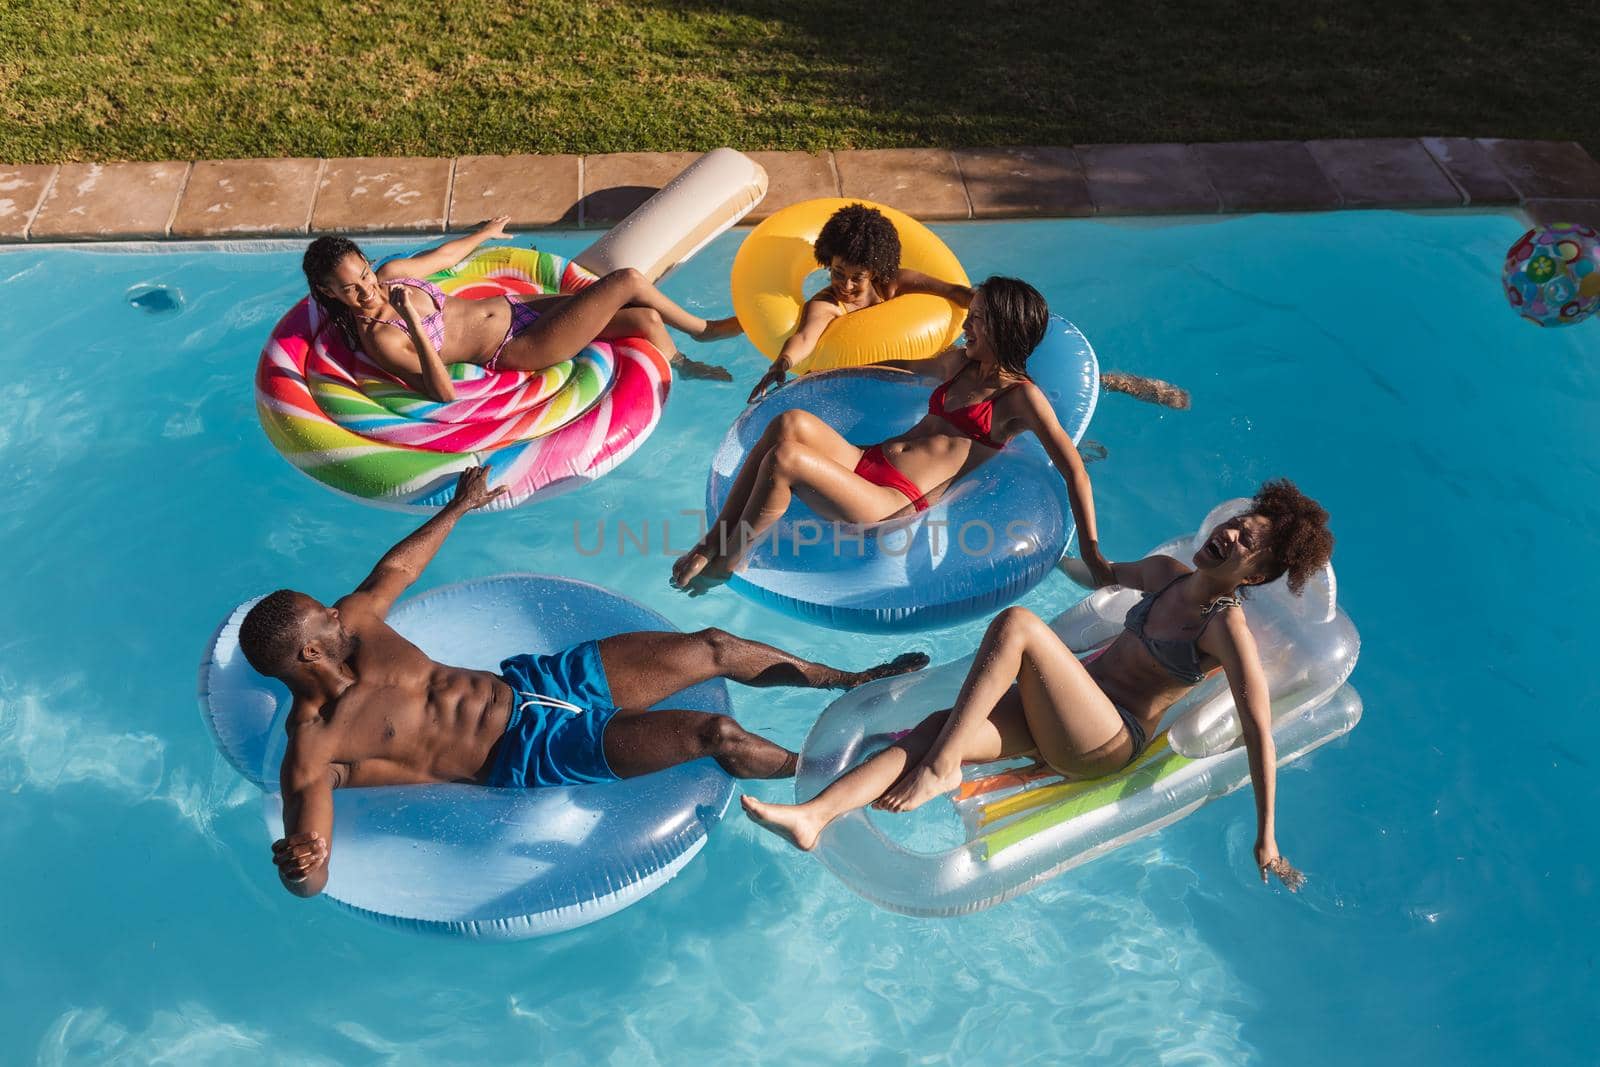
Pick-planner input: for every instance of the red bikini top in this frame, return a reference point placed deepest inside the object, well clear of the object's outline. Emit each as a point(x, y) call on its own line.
point(974, 421)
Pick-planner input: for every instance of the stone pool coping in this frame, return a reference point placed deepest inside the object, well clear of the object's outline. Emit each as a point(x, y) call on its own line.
point(1550, 180)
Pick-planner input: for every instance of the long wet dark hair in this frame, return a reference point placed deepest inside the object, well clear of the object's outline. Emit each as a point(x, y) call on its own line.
point(1016, 319)
point(320, 259)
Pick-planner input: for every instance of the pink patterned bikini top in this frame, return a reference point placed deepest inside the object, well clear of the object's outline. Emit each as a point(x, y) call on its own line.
point(433, 324)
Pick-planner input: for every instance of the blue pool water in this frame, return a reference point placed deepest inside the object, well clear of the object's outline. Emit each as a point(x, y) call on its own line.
point(1449, 840)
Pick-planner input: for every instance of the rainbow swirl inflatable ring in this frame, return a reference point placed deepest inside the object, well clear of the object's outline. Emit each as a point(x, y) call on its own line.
point(355, 428)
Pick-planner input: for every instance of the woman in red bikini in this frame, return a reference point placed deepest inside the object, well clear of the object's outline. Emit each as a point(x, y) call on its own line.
point(986, 399)
point(412, 329)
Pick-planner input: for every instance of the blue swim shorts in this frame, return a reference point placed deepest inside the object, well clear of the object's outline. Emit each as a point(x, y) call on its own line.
point(544, 743)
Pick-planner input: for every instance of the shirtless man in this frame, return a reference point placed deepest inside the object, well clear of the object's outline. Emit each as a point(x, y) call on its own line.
point(370, 708)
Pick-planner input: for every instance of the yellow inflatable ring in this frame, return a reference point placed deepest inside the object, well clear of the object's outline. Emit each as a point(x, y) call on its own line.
point(769, 274)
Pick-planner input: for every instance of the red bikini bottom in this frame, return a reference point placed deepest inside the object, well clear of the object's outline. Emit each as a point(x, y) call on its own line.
point(877, 469)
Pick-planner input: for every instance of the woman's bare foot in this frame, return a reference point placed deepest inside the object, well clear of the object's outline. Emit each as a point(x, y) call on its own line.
point(690, 564)
point(705, 372)
point(717, 329)
point(904, 663)
point(700, 570)
point(917, 788)
point(715, 573)
point(788, 821)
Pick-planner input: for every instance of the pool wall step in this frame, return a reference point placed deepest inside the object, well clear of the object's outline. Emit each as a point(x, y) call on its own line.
point(1550, 180)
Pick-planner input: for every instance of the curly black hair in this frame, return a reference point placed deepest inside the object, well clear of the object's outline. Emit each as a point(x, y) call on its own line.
point(270, 633)
point(1300, 541)
point(862, 235)
point(321, 257)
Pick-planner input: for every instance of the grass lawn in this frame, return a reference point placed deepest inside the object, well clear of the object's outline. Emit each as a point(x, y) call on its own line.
point(188, 79)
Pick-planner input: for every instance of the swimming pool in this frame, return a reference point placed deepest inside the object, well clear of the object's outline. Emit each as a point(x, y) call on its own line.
point(1368, 355)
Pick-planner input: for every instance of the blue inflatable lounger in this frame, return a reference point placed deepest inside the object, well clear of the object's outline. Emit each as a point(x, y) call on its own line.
point(467, 860)
point(990, 538)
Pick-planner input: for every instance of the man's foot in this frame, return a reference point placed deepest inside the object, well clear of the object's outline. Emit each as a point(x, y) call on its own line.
point(917, 788)
point(704, 372)
point(717, 329)
point(904, 663)
point(788, 821)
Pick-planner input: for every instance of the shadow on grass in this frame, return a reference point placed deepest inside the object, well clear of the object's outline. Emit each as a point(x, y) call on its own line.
point(1076, 73)
point(168, 80)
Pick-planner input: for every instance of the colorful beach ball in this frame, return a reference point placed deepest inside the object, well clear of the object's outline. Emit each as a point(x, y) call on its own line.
point(1552, 275)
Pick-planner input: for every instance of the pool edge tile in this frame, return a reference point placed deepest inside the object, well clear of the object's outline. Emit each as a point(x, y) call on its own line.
point(109, 201)
point(1147, 179)
point(1385, 172)
point(1251, 176)
point(22, 190)
point(614, 183)
point(382, 194)
point(1473, 170)
point(925, 183)
point(1546, 170)
point(1041, 181)
point(247, 198)
point(291, 196)
point(536, 191)
point(793, 177)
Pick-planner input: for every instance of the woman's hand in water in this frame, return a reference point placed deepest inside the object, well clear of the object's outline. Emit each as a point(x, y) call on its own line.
point(494, 228)
point(776, 375)
point(1268, 860)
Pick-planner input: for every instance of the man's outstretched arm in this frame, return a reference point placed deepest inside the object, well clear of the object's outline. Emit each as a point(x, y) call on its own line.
point(301, 854)
point(405, 562)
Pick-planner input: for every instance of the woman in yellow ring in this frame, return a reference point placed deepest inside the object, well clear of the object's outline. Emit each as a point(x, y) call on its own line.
point(860, 248)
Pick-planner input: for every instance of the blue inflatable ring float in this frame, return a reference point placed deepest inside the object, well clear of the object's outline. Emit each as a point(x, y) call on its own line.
point(466, 860)
point(993, 535)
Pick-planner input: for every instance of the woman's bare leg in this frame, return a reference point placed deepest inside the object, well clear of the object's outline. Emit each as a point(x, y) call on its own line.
point(832, 489)
point(646, 322)
point(641, 322)
point(1073, 723)
point(801, 824)
point(794, 425)
point(717, 329)
point(1005, 734)
point(791, 427)
point(564, 328)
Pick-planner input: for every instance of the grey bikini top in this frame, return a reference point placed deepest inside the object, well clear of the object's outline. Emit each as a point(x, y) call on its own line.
point(1181, 658)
